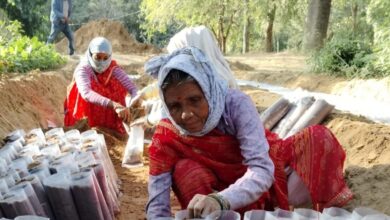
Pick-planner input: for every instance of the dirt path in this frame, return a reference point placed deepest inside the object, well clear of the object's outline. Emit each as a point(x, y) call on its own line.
point(36, 99)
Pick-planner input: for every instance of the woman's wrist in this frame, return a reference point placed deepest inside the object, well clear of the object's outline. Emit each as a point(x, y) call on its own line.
point(114, 105)
point(224, 204)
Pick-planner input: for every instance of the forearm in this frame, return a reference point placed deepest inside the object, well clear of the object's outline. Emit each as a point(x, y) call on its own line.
point(125, 81)
point(83, 81)
point(159, 196)
point(247, 189)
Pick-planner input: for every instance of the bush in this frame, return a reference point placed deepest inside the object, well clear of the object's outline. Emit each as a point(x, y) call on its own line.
point(343, 56)
point(19, 53)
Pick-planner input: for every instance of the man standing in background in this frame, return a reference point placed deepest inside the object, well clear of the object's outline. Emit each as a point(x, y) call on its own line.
point(59, 17)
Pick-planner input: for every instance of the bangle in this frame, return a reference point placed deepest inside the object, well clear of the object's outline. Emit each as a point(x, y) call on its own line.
point(222, 202)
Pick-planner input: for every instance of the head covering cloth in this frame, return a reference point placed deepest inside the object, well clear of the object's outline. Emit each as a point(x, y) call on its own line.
point(192, 61)
point(99, 45)
point(202, 38)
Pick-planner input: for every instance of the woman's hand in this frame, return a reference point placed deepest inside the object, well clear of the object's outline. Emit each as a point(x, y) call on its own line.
point(123, 112)
point(201, 205)
point(136, 102)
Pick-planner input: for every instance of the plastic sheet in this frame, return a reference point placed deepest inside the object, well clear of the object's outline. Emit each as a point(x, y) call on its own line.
point(85, 159)
point(54, 132)
point(335, 213)
point(3, 186)
point(30, 150)
point(224, 215)
point(255, 215)
point(216, 215)
point(20, 165)
point(41, 170)
point(8, 153)
point(62, 166)
point(9, 180)
point(3, 167)
point(89, 135)
point(35, 136)
point(14, 135)
point(51, 150)
point(183, 215)
point(74, 138)
point(30, 217)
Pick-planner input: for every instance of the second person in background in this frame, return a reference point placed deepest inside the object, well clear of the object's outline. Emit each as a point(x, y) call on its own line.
point(99, 89)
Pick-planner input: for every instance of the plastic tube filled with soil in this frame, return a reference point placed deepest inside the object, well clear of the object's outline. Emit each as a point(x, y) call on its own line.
point(301, 106)
point(40, 192)
point(274, 113)
point(32, 197)
point(86, 196)
point(314, 115)
point(57, 189)
point(111, 200)
point(16, 203)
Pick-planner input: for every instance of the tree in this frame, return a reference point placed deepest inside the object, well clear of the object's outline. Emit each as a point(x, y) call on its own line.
point(245, 32)
point(220, 16)
point(316, 24)
point(270, 26)
point(33, 15)
point(379, 17)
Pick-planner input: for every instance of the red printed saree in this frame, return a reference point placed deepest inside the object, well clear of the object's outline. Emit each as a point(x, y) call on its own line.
point(313, 153)
point(77, 108)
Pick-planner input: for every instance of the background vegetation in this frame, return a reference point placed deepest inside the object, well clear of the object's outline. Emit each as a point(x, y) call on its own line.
point(344, 37)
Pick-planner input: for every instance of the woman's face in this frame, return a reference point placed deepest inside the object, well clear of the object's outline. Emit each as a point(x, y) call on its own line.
point(187, 105)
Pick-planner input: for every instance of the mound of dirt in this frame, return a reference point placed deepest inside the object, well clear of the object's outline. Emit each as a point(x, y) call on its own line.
point(114, 31)
point(237, 65)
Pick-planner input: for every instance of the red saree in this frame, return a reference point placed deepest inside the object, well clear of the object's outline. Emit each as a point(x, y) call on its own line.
point(77, 108)
point(214, 161)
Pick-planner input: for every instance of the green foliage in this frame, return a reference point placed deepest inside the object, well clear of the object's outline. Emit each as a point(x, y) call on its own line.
point(33, 15)
point(20, 53)
point(219, 15)
point(379, 16)
point(345, 56)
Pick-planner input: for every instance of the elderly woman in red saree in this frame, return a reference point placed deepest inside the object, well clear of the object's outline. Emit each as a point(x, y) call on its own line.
point(99, 89)
point(213, 151)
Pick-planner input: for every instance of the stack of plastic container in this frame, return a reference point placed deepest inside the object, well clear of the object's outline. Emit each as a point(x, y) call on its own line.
point(57, 175)
point(360, 213)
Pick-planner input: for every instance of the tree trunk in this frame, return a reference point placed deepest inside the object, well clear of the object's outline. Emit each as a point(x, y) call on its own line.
point(270, 27)
point(354, 10)
point(221, 29)
point(245, 35)
point(316, 24)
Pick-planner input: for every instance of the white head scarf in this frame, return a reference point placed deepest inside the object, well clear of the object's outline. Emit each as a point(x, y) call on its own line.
point(99, 45)
point(192, 61)
point(202, 38)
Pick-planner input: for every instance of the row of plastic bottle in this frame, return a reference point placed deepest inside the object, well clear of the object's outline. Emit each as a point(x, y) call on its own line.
point(333, 213)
